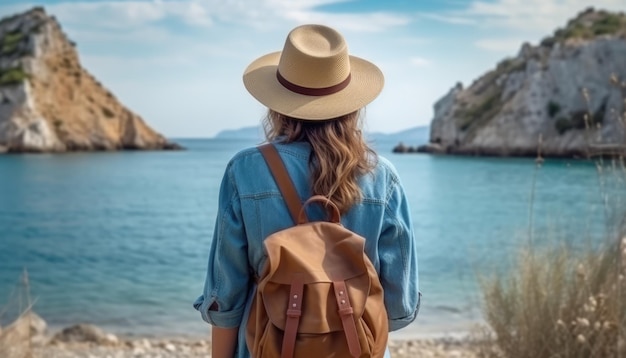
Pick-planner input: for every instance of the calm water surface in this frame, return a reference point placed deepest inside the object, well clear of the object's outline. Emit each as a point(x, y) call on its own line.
point(121, 239)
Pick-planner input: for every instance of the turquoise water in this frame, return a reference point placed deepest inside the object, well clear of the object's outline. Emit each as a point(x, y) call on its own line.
point(121, 239)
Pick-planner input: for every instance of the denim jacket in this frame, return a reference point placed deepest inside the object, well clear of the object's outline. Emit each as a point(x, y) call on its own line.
point(251, 208)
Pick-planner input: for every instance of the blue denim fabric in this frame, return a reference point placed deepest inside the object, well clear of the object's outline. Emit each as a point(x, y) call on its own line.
point(251, 208)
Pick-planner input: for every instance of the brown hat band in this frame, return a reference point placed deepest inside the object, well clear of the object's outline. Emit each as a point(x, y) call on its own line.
point(308, 91)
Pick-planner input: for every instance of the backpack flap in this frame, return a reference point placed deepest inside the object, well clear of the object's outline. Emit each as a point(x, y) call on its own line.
point(300, 254)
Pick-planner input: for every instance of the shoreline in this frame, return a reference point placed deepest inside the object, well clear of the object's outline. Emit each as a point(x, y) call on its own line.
point(196, 348)
point(30, 336)
point(424, 327)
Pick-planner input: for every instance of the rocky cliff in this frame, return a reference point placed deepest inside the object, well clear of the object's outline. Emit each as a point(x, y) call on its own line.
point(563, 97)
point(50, 103)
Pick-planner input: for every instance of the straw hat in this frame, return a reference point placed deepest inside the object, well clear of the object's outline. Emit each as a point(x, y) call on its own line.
point(313, 78)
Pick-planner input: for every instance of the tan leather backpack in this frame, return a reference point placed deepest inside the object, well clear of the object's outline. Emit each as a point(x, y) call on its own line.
point(319, 294)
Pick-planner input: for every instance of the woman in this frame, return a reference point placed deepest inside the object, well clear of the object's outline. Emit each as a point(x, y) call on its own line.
point(315, 92)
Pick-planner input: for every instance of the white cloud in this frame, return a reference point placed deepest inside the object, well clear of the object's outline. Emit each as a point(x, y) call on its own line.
point(196, 14)
point(368, 22)
point(534, 16)
point(295, 4)
point(121, 15)
point(112, 15)
point(420, 62)
point(264, 14)
point(147, 35)
point(134, 64)
point(412, 41)
point(449, 18)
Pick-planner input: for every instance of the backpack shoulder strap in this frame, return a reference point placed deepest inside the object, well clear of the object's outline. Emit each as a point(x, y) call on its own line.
point(283, 180)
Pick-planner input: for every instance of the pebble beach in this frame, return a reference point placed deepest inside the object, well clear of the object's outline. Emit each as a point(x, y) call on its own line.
point(29, 337)
point(174, 348)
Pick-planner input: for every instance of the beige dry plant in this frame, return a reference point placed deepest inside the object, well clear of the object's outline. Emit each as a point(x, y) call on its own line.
point(16, 338)
point(561, 302)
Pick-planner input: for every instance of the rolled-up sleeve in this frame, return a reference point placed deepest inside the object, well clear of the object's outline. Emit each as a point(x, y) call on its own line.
point(224, 297)
point(398, 260)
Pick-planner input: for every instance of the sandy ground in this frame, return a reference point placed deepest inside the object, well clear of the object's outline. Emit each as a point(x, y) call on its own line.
point(178, 348)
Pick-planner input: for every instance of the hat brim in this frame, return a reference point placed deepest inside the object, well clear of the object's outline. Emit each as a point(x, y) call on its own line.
point(260, 79)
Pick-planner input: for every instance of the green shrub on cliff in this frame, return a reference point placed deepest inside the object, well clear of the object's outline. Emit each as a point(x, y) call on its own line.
point(562, 125)
point(10, 42)
point(580, 120)
point(12, 76)
point(609, 24)
point(576, 31)
point(604, 23)
point(510, 65)
point(553, 108)
point(481, 113)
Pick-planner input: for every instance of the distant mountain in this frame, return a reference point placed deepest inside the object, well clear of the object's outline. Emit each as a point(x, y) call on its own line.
point(255, 132)
point(412, 136)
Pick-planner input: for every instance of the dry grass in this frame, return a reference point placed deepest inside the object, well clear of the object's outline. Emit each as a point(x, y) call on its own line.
point(16, 338)
point(557, 303)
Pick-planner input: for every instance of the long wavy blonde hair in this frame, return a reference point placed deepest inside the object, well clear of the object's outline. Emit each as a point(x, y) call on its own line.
point(339, 154)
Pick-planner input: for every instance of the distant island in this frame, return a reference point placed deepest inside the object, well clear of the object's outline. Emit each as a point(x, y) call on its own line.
point(413, 137)
point(253, 133)
point(50, 103)
point(563, 98)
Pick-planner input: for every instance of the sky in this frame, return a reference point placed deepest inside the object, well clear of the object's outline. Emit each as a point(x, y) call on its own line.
point(179, 63)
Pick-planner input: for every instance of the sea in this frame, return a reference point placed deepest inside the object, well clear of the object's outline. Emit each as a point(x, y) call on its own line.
point(121, 239)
